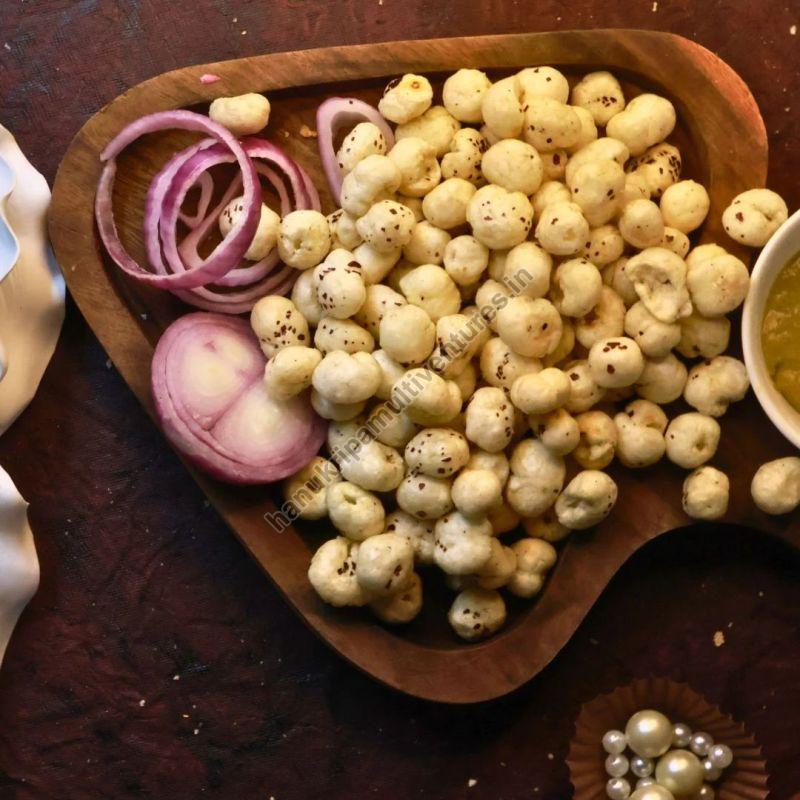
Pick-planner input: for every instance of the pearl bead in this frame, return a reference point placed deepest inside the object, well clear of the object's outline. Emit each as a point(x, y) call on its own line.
point(617, 765)
point(642, 783)
point(681, 734)
point(649, 733)
point(618, 789)
point(681, 772)
point(700, 743)
point(652, 792)
point(720, 755)
point(710, 772)
point(705, 793)
point(614, 742)
point(642, 767)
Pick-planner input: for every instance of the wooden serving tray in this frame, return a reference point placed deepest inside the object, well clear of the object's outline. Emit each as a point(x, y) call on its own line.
point(723, 140)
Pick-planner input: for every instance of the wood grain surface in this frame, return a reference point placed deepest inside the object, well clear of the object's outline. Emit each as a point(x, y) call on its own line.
point(115, 512)
point(423, 659)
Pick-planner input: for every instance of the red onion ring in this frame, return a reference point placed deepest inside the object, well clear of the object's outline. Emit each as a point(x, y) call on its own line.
point(206, 298)
point(195, 280)
point(155, 201)
point(260, 280)
point(188, 248)
point(229, 252)
point(184, 174)
point(187, 173)
point(280, 189)
point(332, 115)
point(311, 190)
point(202, 227)
point(241, 276)
point(205, 183)
point(305, 194)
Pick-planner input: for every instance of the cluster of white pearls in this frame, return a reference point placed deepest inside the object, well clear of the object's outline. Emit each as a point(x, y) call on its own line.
point(667, 762)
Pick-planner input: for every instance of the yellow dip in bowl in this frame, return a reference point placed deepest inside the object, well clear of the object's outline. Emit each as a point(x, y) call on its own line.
point(780, 332)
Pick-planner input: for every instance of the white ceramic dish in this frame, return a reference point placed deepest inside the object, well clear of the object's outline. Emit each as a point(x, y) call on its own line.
point(31, 314)
point(19, 566)
point(9, 246)
point(784, 244)
point(31, 284)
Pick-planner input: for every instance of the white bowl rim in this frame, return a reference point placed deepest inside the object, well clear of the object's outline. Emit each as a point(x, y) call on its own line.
point(784, 245)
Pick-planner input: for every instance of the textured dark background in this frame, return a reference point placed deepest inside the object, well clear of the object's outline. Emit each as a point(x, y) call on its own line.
point(156, 661)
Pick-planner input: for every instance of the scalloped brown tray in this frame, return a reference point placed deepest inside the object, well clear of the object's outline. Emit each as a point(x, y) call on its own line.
point(723, 140)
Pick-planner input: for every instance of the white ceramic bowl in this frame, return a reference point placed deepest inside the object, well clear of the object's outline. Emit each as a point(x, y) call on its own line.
point(784, 244)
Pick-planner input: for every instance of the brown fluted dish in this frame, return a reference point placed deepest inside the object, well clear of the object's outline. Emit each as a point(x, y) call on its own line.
point(745, 779)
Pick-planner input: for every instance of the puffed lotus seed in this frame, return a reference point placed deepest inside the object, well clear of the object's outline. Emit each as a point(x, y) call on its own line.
point(498, 339)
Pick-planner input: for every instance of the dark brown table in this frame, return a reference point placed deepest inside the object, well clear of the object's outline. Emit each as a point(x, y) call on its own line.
point(157, 661)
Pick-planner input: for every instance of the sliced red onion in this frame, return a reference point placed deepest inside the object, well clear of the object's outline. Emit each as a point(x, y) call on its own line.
point(206, 298)
point(188, 172)
point(280, 188)
point(179, 268)
point(205, 184)
point(154, 201)
point(210, 399)
point(188, 248)
point(258, 278)
point(185, 255)
point(242, 276)
point(229, 252)
point(332, 115)
point(311, 191)
point(305, 195)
